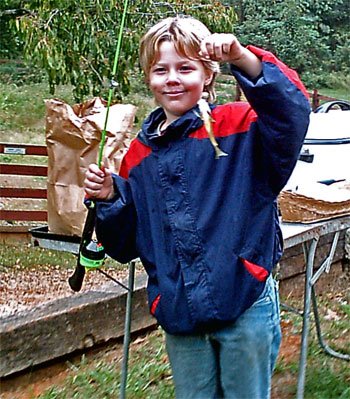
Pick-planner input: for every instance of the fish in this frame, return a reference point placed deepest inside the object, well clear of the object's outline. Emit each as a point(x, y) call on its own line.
point(205, 115)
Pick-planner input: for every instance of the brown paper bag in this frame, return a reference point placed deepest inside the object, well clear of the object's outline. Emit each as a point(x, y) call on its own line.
point(73, 135)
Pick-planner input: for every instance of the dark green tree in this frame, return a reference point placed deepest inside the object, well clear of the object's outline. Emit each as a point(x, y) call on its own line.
point(74, 41)
point(11, 46)
point(310, 36)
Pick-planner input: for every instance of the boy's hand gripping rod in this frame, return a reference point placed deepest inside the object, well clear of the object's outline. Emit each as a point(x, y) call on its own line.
point(91, 253)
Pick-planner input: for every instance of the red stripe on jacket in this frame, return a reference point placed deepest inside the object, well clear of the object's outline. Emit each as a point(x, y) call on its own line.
point(155, 304)
point(266, 56)
point(255, 270)
point(136, 154)
point(242, 115)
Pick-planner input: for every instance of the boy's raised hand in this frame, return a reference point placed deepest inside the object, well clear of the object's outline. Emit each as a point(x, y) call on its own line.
point(221, 47)
point(98, 183)
point(225, 47)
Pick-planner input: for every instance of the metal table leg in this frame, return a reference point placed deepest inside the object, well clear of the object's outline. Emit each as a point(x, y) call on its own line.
point(323, 345)
point(127, 330)
point(309, 253)
point(325, 267)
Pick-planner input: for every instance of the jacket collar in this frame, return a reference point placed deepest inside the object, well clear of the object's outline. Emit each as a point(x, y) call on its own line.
point(181, 127)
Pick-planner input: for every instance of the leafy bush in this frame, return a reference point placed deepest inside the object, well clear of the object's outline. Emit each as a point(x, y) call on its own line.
point(311, 37)
point(19, 73)
point(332, 80)
point(75, 41)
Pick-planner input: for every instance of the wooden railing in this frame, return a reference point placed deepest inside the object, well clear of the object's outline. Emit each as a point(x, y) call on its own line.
point(13, 191)
point(317, 98)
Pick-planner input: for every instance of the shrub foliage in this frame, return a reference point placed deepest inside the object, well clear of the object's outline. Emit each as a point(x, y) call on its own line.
point(74, 41)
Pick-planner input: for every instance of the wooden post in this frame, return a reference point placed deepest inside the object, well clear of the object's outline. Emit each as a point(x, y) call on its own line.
point(315, 99)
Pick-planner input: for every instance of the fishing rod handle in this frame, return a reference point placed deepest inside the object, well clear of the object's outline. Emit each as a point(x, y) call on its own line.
point(76, 280)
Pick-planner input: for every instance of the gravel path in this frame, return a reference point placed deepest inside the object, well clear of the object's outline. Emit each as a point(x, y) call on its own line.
point(22, 289)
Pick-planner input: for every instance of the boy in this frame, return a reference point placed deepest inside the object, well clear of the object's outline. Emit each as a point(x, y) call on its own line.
point(206, 229)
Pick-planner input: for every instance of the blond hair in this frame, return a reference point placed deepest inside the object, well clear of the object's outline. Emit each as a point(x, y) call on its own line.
point(187, 34)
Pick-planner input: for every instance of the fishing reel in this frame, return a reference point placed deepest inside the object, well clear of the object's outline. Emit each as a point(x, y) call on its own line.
point(91, 252)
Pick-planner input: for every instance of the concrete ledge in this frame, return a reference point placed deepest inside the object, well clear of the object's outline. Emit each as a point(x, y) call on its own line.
point(69, 324)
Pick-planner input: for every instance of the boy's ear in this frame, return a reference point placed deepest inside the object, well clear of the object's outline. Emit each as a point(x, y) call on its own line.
point(209, 78)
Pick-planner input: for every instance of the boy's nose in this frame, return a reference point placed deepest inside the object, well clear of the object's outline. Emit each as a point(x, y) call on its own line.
point(173, 77)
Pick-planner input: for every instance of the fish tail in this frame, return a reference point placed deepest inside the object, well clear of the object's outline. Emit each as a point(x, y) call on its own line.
point(219, 153)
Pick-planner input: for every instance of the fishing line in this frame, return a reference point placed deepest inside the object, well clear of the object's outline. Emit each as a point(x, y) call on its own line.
point(91, 252)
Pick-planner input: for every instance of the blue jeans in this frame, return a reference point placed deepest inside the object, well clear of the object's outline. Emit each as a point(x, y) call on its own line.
point(234, 362)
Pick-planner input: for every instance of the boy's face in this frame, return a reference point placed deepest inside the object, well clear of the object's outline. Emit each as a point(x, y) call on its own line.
point(176, 82)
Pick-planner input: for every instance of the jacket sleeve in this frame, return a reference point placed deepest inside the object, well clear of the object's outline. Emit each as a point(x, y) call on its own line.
point(281, 102)
point(116, 223)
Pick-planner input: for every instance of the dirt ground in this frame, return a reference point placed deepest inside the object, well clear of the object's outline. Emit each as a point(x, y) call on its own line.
point(33, 383)
point(21, 290)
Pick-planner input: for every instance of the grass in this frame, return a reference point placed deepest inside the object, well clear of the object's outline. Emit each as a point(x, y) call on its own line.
point(26, 257)
point(326, 376)
point(149, 375)
point(325, 379)
point(22, 111)
point(341, 93)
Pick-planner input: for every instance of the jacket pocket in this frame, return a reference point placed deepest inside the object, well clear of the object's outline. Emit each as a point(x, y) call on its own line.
point(256, 271)
point(154, 305)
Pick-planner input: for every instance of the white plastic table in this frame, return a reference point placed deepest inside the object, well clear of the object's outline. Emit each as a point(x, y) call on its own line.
point(308, 235)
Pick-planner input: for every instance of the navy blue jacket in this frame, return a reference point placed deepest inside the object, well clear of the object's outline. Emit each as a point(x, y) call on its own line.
point(206, 229)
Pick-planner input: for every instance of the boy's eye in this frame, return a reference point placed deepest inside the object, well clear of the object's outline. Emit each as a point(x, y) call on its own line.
point(185, 68)
point(158, 70)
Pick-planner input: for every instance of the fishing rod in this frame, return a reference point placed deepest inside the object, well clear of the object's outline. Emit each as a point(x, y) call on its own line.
point(91, 252)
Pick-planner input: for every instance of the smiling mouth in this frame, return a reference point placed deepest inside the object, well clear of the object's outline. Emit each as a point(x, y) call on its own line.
point(173, 93)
